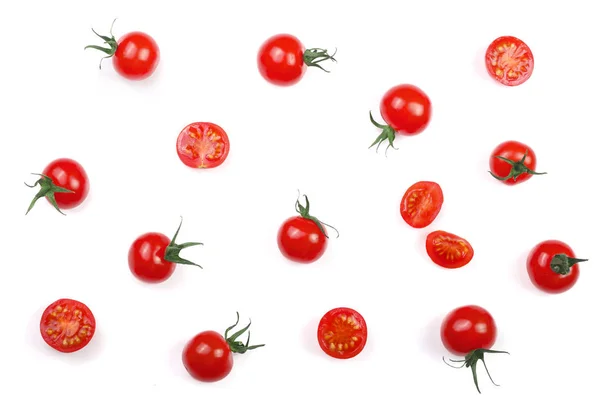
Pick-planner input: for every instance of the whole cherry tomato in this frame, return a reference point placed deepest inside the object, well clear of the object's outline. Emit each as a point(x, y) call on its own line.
point(552, 266)
point(513, 162)
point(208, 356)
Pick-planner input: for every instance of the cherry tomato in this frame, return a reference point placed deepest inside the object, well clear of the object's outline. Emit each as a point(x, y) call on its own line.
point(67, 325)
point(202, 145)
point(513, 162)
point(421, 203)
point(303, 238)
point(152, 256)
point(342, 333)
point(135, 56)
point(509, 61)
point(552, 266)
point(406, 109)
point(208, 356)
point(469, 331)
point(448, 250)
point(64, 183)
point(282, 59)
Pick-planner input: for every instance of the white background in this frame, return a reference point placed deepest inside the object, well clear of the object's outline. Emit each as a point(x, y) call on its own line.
point(313, 137)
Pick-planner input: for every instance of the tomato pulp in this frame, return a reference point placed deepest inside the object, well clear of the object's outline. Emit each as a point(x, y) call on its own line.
point(509, 61)
point(421, 203)
point(342, 333)
point(202, 145)
point(67, 325)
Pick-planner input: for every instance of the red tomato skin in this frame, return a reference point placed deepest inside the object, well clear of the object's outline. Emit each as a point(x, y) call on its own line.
point(281, 60)
point(461, 249)
point(468, 328)
point(300, 240)
point(147, 258)
point(524, 59)
point(207, 357)
point(202, 145)
point(360, 332)
point(137, 56)
point(82, 330)
point(513, 150)
point(538, 267)
point(406, 108)
point(69, 174)
point(426, 214)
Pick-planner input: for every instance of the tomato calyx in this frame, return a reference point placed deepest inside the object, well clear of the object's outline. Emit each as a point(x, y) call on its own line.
point(238, 346)
point(304, 213)
point(518, 168)
point(108, 40)
point(388, 134)
point(470, 361)
point(47, 189)
point(173, 249)
point(561, 263)
point(312, 57)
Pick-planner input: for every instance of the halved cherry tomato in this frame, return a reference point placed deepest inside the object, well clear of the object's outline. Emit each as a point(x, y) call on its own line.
point(342, 333)
point(509, 61)
point(421, 203)
point(513, 162)
point(202, 145)
point(448, 250)
point(552, 266)
point(67, 325)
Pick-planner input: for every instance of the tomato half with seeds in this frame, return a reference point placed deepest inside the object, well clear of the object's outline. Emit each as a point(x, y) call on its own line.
point(67, 325)
point(448, 250)
point(509, 61)
point(342, 333)
point(513, 162)
point(421, 203)
point(553, 267)
point(202, 145)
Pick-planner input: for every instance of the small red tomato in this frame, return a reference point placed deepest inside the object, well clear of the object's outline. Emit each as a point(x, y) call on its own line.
point(208, 356)
point(469, 331)
point(509, 61)
point(282, 59)
point(342, 333)
point(303, 238)
point(152, 256)
point(406, 109)
point(421, 204)
point(552, 266)
point(134, 57)
point(202, 145)
point(448, 250)
point(67, 325)
point(513, 162)
point(64, 183)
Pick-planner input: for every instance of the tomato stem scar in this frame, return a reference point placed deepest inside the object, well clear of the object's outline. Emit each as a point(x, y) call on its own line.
point(110, 41)
point(304, 213)
point(518, 168)
point(173, 249)
point(312, 57)
point(47, 189)
point(238, 346)
point(561, 263)
point(470, 361)
point(388, 134)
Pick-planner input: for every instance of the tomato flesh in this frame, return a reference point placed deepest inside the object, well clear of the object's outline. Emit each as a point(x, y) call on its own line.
point(67, 325)
point(342, 333)
point(448, 250)
point(509, 61)
point(300, 240)
point(202, 145)
point(406, 108)
point(281, 60)
point(207, 357)
point(421, 203)
point(137, 56)
point(540, 273)
point(468, 328)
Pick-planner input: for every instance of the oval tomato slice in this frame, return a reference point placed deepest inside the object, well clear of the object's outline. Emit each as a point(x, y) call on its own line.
point(342, 333)
point(448, 250)
point(509, 60)
point(67, 325)
point(202, 145)
point(421, 204)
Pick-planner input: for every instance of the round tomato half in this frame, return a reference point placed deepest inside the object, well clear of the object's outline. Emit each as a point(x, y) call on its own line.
point(67, 325)
point(448, 250)
point(553, 267)
point(202, 145)
point(468, 328)
point(509, 60)
point(421, 203)
point(342, 333)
